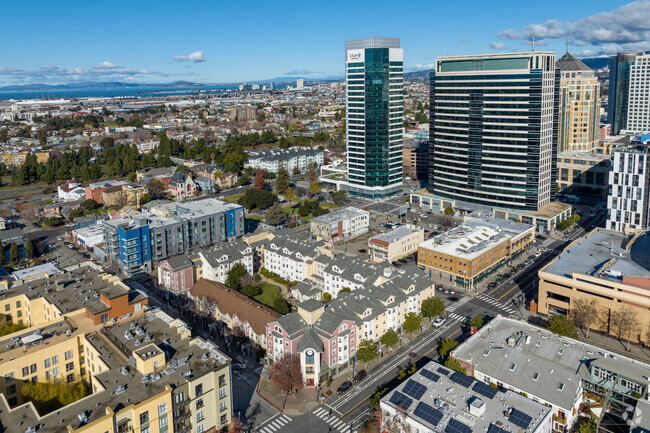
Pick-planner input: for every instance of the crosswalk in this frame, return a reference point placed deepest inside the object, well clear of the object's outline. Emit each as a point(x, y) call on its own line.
point(458, 317)
point(490, 300)
point(454, 307)
point(274, 424)
point(334, 421)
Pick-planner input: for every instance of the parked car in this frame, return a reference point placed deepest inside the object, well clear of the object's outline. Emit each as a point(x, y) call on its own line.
point(453, 299)
point(360, 376)
point(238, 367)
point(59, 238)
point(439, 321)
point(344, 387)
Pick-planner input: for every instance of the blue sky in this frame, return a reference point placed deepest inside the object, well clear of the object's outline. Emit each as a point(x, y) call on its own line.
point(57, 42)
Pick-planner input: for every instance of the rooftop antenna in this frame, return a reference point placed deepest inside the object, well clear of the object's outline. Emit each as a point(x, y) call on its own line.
point(567, 45)
point(533, 42)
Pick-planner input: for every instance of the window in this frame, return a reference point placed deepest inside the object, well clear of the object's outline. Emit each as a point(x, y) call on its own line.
point(162, 409)
point(199, 403)
point(162, 422)
point(48, 363)
point(200, 428)
point(145, 429)
point(32, 368)
point(25, 371)
point(55, 359)
point(69, 366)
point(9, 377)
point(223, 405)
point(7, 307)
point(222, 394)
point(198, 389)
point(224, 419)
point(200, 416)
point(69, 354)
point(70, 378)
point(55, 372)
point(222, 380)
point(144, 417)
point(11, 389)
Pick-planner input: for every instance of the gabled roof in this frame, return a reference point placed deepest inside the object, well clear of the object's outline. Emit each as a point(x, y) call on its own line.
point(569, 63)
point(179, 263)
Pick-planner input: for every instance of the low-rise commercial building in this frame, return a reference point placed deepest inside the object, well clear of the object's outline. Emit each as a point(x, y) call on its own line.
point(555, 371)
point(89, 236)
point(342, 224)
point(395, 244)
point(608, 268)
point(439, 399)
point(465, 255)
point(583, 174)
point(295, 157)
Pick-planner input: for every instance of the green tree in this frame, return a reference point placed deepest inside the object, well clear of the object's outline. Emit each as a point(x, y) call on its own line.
point(389, 339)
point(291, 197)
point(562, 325)
point(587, 426)
point(345, 290)
point(449, 211)
point(412, 322)
point(42, 136)
point(280, 305)
point(89, 205)
point(275, 215)
point(339, 197)
point(367, 351)
point(14, 253)
point(314, 189)
point(4, 135)
point(477, 321)
point(256, 199)
point(282, 181)
point(146, 198)
point(433, 307)
point(234, 275)
point(75, 213)
point(29, 249)
point(446, 346)
point(453, 364)
point(327, 297)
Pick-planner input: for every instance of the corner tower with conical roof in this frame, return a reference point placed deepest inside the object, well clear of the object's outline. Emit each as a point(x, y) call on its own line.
point(579, 109)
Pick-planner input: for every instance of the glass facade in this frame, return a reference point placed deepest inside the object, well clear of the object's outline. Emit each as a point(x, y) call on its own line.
point(619, 90)
point(374, 79)
point(492, 133)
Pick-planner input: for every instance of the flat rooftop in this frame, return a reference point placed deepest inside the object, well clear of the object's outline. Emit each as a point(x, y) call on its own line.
point(583, 155)
point(537, 361)
point(341, 214)
point(185, 359)
point(589, 255)
point(395, 234)
point(466, 242)
point(440, 399)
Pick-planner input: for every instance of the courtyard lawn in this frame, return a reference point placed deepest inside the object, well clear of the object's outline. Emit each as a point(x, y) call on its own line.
point(232, 198)
point(268, 294)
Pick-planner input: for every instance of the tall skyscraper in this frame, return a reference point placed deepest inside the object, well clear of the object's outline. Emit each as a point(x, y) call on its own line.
point(300, 83)
point(579, 108)
point(619, 90)
point(493, 129)
point(374, 116)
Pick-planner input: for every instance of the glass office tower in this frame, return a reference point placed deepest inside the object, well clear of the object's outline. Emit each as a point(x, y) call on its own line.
point(619, 90)
point(493, 129)
point(374, 116)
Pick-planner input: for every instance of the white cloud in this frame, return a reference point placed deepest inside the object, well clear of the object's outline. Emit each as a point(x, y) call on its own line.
point(623, 29)
point(498, 46)
point(56, 74)
point(195, 57)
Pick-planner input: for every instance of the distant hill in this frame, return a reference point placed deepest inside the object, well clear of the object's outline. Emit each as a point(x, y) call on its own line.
point(596, 62)
point(96, 85)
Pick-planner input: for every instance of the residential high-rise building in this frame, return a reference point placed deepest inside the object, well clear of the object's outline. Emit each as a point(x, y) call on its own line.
point(493, 129)
point(638, 111)
point(300, 83)
point(375, 115)
point(579, 107)
point(629, 187)
point(619, 90)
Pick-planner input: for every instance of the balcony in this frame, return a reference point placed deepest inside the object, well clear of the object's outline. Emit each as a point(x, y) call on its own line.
point(559, 420)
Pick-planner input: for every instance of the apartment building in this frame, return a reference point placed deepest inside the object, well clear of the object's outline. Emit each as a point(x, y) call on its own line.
point(290, 159)
point(95, 191)
point(183, 382)
point(290, 258)
point(556, 371)
point(176, 274)
point(422, 404)
point(243, 113)
point(235, 310)
point(326, 336)
point(629, 187)
point(604, 266)
point(465, 255)
point(342, 224)
point(395, 244)
point(216, 261)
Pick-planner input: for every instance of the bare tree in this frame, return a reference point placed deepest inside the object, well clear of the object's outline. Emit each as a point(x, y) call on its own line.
point(630, 324)
point(584, 313)
point(396, 424)
point(31, 213)
point(236, 426)
point(617, 322)
point(287, 374)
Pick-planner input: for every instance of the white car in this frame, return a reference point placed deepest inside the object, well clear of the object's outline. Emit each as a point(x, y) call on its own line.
point(440, 320)
point(59, 238)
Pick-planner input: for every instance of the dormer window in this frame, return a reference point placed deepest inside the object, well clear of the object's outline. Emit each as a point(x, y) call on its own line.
point(512, 366)
point(358, 277)
point(535, 376)
point(336, 269)
point(276, 328)
point(343, 327)
point(299, 256)
point(560, 387)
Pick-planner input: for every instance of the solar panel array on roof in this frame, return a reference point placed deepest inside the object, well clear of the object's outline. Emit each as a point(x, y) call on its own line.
point(414, 389)
point(519, 418)
point(429, 374)
point(428, 414)
point(399, 399)
point(457, 427)
point(496, 429)
point(485, 390)
point(461, 379)
point(443, 371)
